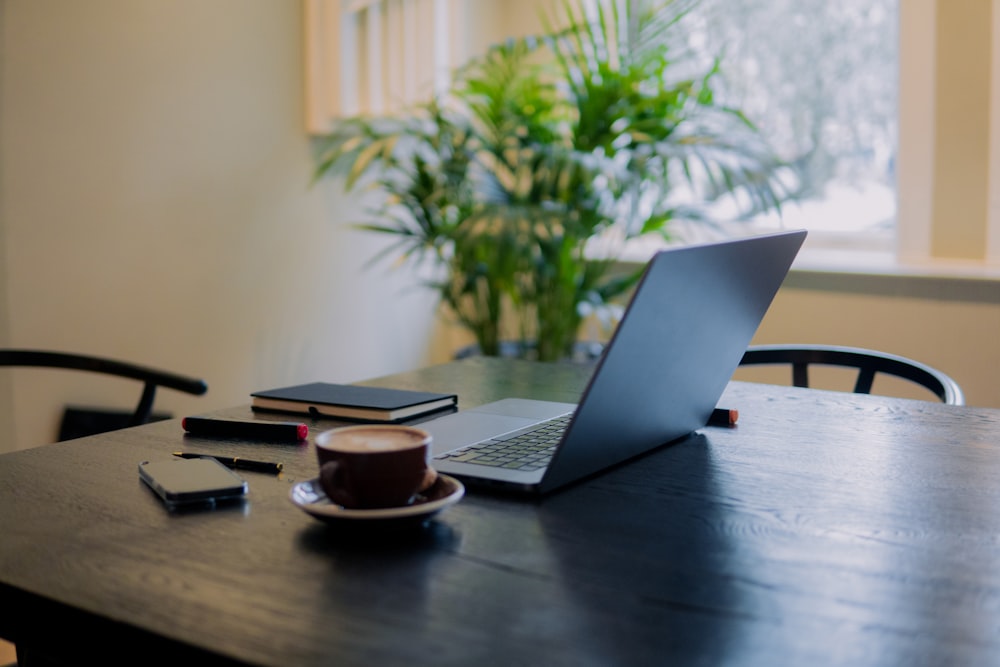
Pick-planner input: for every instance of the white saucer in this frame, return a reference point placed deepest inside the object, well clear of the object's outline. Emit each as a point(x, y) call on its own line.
point(309, 497)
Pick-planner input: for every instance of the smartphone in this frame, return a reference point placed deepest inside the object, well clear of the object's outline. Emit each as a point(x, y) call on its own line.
point(191, 482)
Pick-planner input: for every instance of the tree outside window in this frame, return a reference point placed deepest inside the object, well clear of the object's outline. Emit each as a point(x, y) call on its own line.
point(820, 80)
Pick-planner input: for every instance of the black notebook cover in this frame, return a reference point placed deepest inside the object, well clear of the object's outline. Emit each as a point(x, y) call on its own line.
point(349, 401)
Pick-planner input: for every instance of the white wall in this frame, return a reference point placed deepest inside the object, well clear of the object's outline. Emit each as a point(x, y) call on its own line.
point(6, 392)
point(155, 206)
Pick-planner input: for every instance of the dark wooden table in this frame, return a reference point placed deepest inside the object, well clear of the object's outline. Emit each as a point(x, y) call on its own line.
point(825, 528)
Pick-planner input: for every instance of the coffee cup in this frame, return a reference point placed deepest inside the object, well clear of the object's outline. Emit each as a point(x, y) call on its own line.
point(374, 465)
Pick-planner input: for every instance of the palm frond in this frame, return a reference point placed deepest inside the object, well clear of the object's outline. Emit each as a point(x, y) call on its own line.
point(602, 124)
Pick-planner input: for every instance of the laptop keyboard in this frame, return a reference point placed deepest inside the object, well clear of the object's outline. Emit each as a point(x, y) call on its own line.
point(528, 449)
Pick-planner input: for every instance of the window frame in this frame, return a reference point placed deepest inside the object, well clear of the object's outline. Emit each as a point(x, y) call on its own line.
point(929, 61)
point(926, 242)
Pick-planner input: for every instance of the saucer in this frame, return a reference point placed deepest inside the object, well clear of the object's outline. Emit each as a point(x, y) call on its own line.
point(309, 497)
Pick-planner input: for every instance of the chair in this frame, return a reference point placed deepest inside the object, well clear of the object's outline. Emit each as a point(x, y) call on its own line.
point(150, 377)
point(868, 363)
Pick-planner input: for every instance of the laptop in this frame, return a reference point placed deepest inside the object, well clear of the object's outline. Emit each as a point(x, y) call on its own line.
point(691, 317)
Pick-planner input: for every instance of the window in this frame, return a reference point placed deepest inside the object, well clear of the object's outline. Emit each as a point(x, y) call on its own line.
point(819, 80)
point(375, 56)
point(889, 101)
point(947, 161)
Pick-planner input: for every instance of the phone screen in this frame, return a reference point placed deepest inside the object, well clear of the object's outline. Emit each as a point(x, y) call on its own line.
point(185, 482)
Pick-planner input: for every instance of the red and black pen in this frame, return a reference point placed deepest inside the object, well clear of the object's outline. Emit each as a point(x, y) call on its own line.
point(724, 417)
point(246, 429)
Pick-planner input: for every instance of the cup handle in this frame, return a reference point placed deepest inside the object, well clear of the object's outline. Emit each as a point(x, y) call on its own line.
point(331, 481)
point(430, 478)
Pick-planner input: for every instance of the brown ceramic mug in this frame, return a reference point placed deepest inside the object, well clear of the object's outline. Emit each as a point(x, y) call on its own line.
point(374, 465)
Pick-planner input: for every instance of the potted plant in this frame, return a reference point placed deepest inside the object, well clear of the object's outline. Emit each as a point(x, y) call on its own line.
point(598, 132)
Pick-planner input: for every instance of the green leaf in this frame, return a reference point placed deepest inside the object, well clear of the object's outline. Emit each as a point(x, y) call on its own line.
point(540, 145)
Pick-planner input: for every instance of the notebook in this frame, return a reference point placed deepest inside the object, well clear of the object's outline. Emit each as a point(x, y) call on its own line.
point(690, 319)
point(351, 401)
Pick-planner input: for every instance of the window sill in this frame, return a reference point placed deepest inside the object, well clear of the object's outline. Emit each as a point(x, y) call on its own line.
point(879, 273)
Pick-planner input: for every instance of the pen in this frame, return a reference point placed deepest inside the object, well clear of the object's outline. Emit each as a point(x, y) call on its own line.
point(723, 417)
point(246, 429)
point(236, 462)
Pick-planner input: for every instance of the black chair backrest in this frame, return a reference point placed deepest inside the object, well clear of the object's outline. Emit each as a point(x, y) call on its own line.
point(868, 363)
point(150, 377)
